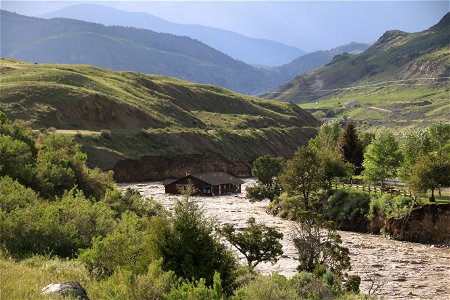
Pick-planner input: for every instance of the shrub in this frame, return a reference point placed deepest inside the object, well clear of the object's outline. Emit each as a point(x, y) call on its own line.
point(13, 195)
point(191, 249)
point(131, 200)
point(58, 228)
point(388, 206)
point(197, 290)
point(259, 192)
point(314, 248)
point(272, 287)
point(124, 248)
point(348, 209)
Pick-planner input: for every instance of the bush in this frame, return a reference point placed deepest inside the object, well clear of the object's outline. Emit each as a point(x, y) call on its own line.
point(58, 228)
point(197, 290)
point(191, 249)
point(259, 192)
point(131, 200)
point(348, 209)
point(13, 195)
point(387, 206)
point(124, 248)
point(315, 248)
point(272, 287)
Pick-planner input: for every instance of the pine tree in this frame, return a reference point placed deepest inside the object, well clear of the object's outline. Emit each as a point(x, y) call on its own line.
point(351, 147)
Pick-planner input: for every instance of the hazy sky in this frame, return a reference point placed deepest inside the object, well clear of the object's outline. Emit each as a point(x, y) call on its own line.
point(308, 25)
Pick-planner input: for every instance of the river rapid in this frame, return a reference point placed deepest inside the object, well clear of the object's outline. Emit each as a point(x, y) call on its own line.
point(388, 268)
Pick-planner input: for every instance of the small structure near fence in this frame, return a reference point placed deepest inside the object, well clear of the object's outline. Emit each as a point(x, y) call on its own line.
point(209, 184)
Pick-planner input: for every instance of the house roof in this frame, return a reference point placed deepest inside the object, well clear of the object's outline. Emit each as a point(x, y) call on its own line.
point(218, 178)
point(215, 178)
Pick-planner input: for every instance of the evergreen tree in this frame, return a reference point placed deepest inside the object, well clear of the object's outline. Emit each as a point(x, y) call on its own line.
point(351, 147)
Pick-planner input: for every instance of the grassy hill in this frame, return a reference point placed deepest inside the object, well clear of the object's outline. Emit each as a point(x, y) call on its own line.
point(401, 80)
point(126, 116)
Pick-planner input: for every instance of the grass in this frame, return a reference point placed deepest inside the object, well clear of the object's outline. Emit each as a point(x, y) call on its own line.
point(391, 108)
point(25, 279)
point(120, 115)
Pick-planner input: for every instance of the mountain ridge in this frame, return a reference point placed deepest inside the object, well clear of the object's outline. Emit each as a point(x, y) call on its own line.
point(396, 56)
point(234, 44)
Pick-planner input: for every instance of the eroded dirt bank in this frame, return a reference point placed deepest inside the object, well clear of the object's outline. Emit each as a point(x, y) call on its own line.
point(400, 270)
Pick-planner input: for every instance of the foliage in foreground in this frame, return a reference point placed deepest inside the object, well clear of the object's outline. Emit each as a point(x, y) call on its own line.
point(257, 242)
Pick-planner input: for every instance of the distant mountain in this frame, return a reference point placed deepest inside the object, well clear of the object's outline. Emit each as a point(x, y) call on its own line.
point(141, 50)
point(312, 61)
point(247, 49)
point(149, 127)
point(123, 48)
point(396, 59)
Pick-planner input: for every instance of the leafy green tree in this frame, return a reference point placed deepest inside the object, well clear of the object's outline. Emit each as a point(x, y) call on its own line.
point(413, 144)
point(333, 166)
point(266, 169)
point(430, 173)
point(257, 242)
point(366, 138)
point(351, 147)
point(327, 138)
point(440, 138)
point(190, 247)
point(382, 158)
point(303, 175)
point(315, 248)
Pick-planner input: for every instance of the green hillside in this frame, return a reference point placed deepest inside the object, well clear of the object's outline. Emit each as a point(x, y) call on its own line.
point(402, 80)
point(125, 116)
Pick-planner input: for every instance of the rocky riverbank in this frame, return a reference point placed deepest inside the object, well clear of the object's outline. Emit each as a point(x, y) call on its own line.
point(394, 269)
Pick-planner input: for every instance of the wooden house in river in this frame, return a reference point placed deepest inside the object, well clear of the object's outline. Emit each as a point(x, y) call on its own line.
point(210, 184)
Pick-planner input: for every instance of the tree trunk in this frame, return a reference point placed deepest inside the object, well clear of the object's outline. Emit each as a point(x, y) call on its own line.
point(432, 196)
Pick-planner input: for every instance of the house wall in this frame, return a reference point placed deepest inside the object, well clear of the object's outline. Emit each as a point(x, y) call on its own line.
point(202, 187)
point(174, 187)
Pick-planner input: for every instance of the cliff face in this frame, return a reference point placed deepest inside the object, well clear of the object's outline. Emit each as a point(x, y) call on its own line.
point(149, 168)
point(427, 224)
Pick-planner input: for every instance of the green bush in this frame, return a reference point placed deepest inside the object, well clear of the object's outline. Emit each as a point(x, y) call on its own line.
point(191, 248)
point(387, 206)
point(131, 200)
point(13, 195)
point(348, 209)
point(272, 287)
point(124, 248)
point(197, 290)
point(259, 192)
point(58, 228)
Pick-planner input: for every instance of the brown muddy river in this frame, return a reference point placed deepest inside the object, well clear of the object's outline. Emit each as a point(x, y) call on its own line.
point(391, 269)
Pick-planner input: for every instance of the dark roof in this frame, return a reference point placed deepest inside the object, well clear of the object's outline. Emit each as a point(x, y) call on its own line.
point(210, 178)
point(218, 178)
point(169, 181)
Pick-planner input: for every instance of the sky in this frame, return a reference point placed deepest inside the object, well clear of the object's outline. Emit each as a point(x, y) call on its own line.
point(308, 25)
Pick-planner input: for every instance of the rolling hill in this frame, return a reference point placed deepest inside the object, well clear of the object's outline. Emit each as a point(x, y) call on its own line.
point(247, 49)
point(148, 127)
point(402, 80)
